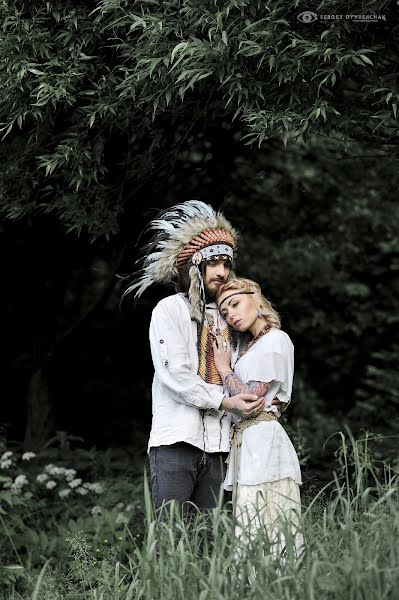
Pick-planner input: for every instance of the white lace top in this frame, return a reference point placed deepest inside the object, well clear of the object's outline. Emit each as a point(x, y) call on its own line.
point(266, 453)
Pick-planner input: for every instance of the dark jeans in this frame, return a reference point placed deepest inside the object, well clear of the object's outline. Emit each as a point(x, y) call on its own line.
point(187, 474)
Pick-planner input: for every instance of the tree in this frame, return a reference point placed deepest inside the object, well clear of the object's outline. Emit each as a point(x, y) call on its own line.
point(93, 100)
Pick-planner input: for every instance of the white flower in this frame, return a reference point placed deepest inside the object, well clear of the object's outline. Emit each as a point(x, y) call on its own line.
point(7, 484)
point(70, 474)
point(64, 493)
point(120, 518)
point(42, 477)
point(82, 491)
point(94, 487)
point(5, 464)
point(75, 483)
point(20, 481)
point(6, 455)
point(28, 455)
point(51, 484)
point(18, 484)
point(129, 507)
point(120, 505)
point(53, 470)
point(96, 511)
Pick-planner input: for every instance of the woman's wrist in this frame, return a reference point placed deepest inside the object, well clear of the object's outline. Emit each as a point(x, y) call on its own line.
point(225, 373)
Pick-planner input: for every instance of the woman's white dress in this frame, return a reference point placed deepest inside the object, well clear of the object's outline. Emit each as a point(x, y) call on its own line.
point(269, 474)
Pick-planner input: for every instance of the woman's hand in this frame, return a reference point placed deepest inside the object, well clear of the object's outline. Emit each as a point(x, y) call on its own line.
point(222, 355)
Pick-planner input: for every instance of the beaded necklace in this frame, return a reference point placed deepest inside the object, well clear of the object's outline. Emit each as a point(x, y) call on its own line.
point(262, 332)
point(207, 333)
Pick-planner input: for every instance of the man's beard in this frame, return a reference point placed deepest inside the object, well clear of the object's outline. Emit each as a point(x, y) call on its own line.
point(210, 295)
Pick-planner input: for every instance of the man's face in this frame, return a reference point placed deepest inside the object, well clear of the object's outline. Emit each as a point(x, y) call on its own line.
point(217, 272)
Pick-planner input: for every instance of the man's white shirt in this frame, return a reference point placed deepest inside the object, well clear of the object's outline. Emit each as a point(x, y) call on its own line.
point(184, 407)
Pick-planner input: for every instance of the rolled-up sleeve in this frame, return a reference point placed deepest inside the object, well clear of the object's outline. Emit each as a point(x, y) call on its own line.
point(173, 365)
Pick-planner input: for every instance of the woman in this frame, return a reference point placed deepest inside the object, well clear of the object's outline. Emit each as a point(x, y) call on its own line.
point(263, 470)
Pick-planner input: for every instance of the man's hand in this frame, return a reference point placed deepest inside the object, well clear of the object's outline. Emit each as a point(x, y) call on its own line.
point(278, 403)
point(245, 406)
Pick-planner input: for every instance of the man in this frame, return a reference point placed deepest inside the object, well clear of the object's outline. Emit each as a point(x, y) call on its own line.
point(194, 247)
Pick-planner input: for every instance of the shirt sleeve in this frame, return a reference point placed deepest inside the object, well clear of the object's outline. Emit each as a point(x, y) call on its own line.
point(272, 360)
point(173, 366)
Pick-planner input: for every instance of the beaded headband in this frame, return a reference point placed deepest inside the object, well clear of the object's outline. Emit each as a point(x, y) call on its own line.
point(210, 242)
point(231, 295)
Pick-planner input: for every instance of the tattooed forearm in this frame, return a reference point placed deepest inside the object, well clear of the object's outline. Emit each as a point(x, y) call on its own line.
point(234, 386)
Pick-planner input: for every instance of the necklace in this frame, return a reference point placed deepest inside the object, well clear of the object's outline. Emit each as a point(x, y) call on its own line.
point(207, 333)
point(262, 332)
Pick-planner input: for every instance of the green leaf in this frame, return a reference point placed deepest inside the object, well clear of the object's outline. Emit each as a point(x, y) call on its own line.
point(36, 71)
point(272, 60)
point(6, 496)
point(177, 49)
point(366, 59)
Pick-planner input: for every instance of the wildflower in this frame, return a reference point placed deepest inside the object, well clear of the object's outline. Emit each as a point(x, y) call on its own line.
point(94, 487)
point(6, 455)
point(51, 484)
point(120, 505)
point(82, 491)
point(75, 483)
point(28, 455)
point(42, 477)
point(96, 511)
point(129, 507)
point(53, 470)
point(21, 480)
point(18, 484)
point(120, 519)
point(15, 489)
point(5, 464)
point(64, 493)
point(69, 474)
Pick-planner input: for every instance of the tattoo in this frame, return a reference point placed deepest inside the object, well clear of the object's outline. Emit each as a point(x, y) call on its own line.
point(234, 386)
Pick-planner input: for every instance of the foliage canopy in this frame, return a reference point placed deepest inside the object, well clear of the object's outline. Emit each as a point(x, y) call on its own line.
point(96, 102)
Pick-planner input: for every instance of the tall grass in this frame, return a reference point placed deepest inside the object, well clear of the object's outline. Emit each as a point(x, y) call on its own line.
point(351, 531)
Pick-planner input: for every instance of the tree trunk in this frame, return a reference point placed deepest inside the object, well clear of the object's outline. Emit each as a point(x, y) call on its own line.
point(40, 413)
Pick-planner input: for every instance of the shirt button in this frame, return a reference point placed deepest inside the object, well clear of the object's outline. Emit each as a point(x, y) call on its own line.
point(166, 363)
point(161, 341)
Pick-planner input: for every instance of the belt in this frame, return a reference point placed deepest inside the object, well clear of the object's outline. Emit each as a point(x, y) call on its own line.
point(235, 441)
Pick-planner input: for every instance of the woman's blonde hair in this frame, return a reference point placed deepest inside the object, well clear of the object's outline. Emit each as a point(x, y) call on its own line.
point(241, 284)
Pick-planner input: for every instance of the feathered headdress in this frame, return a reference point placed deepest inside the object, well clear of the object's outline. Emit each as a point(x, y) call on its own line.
point(188, 232)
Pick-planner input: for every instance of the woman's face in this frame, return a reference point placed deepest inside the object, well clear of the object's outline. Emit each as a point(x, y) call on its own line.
point(239, 311)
